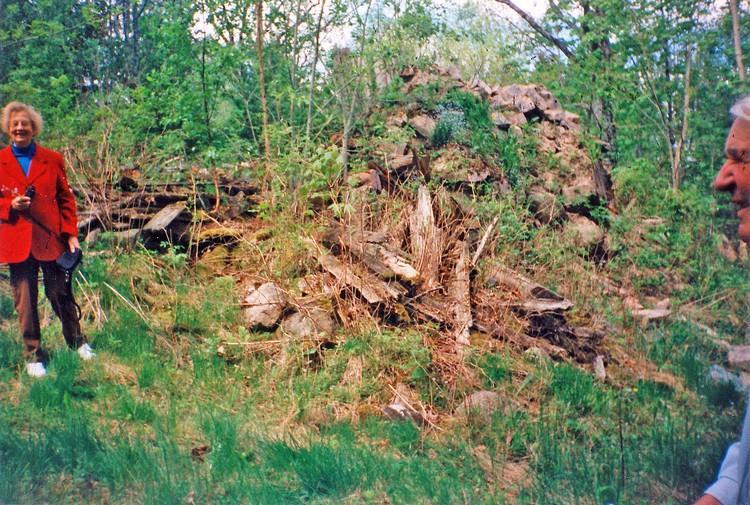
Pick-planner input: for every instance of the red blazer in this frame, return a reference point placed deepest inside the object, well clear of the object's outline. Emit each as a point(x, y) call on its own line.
point(53, 205)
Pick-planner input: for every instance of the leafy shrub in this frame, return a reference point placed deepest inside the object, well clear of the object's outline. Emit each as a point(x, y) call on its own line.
point(475, 110)
point(451, 125)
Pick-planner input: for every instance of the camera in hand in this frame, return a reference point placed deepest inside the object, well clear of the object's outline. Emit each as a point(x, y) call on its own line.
point(30, 191)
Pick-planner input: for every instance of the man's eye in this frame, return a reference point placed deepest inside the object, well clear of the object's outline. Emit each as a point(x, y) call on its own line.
point(738, 154)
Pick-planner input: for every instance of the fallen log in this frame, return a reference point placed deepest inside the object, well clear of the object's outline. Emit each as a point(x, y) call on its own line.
point(369, 249)
point(534, 298)
point(426, 239)
point(164, 218)
point(522, 340)
point(429, 308)
point(371, 288)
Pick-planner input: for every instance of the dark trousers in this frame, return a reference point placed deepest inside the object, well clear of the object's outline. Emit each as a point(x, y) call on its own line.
point(24, 278)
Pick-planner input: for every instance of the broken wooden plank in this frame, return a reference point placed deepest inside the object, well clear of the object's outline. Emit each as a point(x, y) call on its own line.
point(398, 264)
point(426, 239)
point(430, 308)
point(534, 298)
point(368, 248)
point(521, 339)
point(89, 220)
point(372, 289)
point(460, 288)
point(483, 242)
point(165, 217)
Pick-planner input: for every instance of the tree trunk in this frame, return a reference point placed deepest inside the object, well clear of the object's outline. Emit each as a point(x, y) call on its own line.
point(676, 176)
point(316, 56)
point(204, 88)
point(736, 35)
point(262, 77)
point(345, 148)
point(601, 109)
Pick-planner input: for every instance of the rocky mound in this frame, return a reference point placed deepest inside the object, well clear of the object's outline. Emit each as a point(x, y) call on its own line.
point(407, 251)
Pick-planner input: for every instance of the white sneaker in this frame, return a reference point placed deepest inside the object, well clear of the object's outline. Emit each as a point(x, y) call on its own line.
point(86, 352)
point(36, 369)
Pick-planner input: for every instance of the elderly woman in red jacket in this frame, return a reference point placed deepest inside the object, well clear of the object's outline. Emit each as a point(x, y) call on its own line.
point(37, 223)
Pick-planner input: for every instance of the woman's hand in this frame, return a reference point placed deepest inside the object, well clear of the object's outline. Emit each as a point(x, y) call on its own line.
point(20, 203)
point(73, 244)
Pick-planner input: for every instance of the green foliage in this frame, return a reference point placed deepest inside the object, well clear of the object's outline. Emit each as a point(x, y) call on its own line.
point(321, 469)
point(403, 436)
point(397, 43)
point(7, 308)
point(149, 372)
point(311, 176)
point(465, 118)
point(10, 352)
point(496, 369)
point(476, 111)
point(575, 389)
point(126, 334)
point(450, 125)
point(132, 410)
point(60, 391)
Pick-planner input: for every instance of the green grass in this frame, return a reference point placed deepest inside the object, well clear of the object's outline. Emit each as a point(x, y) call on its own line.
point(287, 428)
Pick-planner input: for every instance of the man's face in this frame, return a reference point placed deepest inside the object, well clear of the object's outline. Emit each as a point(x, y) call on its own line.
point(734, 176)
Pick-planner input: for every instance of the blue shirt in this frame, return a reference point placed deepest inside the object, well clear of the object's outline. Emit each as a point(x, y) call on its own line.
point(24, 156)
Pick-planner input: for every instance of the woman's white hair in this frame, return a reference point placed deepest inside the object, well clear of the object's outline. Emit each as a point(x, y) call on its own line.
point(37, 123)
point(741, 109)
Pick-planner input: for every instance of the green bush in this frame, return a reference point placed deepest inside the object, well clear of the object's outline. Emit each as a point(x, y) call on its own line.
point(451, 125)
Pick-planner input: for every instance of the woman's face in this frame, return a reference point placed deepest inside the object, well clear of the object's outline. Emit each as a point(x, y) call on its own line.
point(21, 128)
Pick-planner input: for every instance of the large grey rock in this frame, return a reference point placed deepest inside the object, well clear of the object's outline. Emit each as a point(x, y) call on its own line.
point(92, 236)
point(582, 189)
point(545, 205)
point(739, 357)
point(499, 119)
point(263, 306)
point(126, 238)
point(720, 375)
point(401, 407)
point(423, 124)
point(309, 323)
point(586, 233)
point(483, 403)
point(399, 411)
